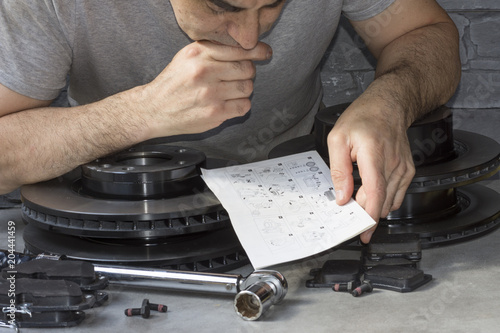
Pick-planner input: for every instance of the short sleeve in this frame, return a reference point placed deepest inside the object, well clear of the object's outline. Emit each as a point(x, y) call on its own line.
point(358, 10)
point(35, 50)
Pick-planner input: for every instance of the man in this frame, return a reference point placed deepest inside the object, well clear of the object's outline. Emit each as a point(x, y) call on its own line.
point(232, 78)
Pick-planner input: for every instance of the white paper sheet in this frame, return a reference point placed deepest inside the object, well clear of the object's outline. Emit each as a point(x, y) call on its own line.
point(284, 209)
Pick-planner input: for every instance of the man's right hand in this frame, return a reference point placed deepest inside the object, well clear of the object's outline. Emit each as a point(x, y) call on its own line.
point(204, 85)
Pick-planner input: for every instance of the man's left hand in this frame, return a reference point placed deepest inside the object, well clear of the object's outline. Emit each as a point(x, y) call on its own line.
point(377, 141)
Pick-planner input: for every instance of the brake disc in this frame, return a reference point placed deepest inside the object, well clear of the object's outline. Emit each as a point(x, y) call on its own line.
point(214, 251)
point(144, 192)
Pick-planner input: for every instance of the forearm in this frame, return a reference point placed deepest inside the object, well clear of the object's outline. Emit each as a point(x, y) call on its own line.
point(43, 143)
point(419, 71)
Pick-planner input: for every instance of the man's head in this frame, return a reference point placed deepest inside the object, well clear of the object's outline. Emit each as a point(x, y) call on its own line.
point(229, 22)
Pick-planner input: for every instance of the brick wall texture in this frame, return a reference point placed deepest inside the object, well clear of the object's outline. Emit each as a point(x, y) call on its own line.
point(348, 68)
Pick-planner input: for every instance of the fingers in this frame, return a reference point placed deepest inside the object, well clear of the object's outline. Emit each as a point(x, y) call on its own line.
point(227, 70)
point(234, 70)
point(361, 200)
point(397, 184)
point(384, 190)
point(366, 236)
point(372, 205)
point(385, 166)
point(204, 85)
point(211, 62)
point(229, 53)
point(235, 89)
point(341, 172)
point(236, 107)
point(372, 194)
point(340, 167)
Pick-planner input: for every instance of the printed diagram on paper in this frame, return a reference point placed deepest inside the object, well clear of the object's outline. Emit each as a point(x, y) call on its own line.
point(284, 209)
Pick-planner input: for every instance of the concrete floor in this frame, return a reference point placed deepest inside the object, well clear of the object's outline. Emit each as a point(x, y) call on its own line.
point(463, 296)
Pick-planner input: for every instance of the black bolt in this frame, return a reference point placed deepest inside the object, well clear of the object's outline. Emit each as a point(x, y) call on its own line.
point(365, 287)
point(143, 311)
point(343, 287)
point(155, 307)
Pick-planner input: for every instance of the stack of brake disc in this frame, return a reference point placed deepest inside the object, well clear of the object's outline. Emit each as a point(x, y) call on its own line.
point(146, 206)
point(442, 204)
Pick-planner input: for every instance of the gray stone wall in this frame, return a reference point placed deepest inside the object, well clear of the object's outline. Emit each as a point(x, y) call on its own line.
point(348, 68)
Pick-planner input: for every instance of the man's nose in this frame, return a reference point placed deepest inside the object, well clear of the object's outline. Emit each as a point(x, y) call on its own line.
point(245, 29)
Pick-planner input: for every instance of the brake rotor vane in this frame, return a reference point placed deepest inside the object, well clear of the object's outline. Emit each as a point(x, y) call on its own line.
point(440, 204)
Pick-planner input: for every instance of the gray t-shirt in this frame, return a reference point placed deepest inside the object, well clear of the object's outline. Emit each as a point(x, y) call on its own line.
point(111, 46)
